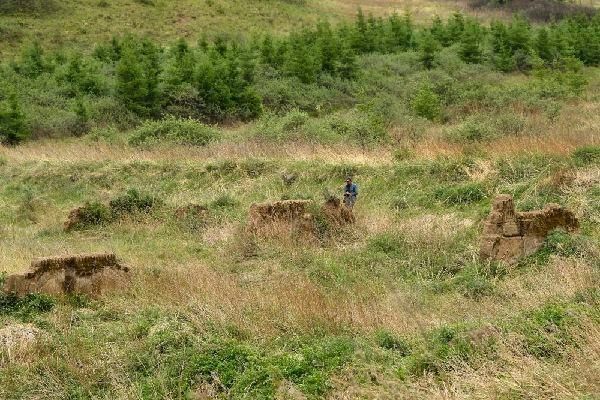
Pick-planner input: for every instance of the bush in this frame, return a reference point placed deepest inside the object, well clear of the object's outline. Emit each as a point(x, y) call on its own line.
point(174, 130)
point(471, 130)
point(426, 103)
point(389, 341)
point(25, 307)
point(93, 214)
point(12, 122)
point(132, 202)
point(460, 194)
point(587, 155)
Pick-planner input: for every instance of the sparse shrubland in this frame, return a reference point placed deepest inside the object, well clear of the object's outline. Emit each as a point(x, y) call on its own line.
point(161, 146)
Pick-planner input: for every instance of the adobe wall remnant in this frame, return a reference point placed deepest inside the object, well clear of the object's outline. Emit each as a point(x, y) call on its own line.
point(336, 212)
point(87, 274)
point(287, 211)
point(296, 213)
point(509, 235)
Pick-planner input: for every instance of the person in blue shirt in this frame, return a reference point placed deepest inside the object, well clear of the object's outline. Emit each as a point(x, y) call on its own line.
point(350, 193)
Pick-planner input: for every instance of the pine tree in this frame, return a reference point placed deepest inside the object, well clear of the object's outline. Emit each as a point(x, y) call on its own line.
point(301, 60)
point(439, 32)
point(470, 43)
point(502, 56)
point(428, 47)
point(131, 86)
point(400, 36)
point(363, 41)
point(455, 27)
point(12, 122)
point(329, 48)
point(347, 67)
point(32, 63)
point(543, 46)
point(267, 51)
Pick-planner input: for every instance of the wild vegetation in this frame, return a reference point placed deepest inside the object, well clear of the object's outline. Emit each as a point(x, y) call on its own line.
point(431, 116)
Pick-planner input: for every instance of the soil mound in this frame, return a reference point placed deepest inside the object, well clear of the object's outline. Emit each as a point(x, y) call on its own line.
point(509, 235)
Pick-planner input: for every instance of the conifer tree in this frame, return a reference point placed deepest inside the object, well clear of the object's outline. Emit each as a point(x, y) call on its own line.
point(470, 43)
point(12, 122)
point(543, 46)
point(401, 33)
point(428, 47)
point(329, 48)
point(138, 77)
point(439, 32)
point(455, 27)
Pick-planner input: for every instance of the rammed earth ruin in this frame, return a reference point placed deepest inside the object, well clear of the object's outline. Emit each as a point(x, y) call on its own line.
point(509, 235)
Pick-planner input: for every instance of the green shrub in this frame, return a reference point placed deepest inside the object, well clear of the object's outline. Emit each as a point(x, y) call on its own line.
point(389, 341)
point(426, 103)
point(587, 155)
point(174, 130)
point(460, 194)
point(12, 122)
point(133, 202)
point(93, 214)
point(224, 201)
point(25, 307)
point(472, 130)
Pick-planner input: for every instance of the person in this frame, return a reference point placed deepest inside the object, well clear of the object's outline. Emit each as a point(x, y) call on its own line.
point(350, 193)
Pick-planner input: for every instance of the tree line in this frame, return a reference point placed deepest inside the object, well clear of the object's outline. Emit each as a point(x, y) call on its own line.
point(214, 81)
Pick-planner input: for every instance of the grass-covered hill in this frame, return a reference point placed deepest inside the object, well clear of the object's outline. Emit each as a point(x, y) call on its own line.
point(135, 109)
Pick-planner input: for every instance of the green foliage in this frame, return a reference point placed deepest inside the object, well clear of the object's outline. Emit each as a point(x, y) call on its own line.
point(545, 331)
point(470, 50)
point(224, 201)
point(387, 340)
point(133, 202)
point(460, 194)
point(474, 282)
point(426, 103)
point(586, 155)
point(174, 130)
point(32, 62)
point(93, 214)
point(233, 368)
point(137, 75)
point(428, 47)
point(25, 307)
point(12, 122)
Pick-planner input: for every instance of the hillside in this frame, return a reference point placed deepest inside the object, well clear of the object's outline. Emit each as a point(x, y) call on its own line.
point(152, 127)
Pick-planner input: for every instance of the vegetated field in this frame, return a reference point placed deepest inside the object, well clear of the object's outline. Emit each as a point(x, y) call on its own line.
point(431, 119)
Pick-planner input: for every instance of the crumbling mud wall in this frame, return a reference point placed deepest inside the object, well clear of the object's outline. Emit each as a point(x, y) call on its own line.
point(285, 211)
point(509, 235)
point(87, 274)
point(296, 214)
point(337, 213)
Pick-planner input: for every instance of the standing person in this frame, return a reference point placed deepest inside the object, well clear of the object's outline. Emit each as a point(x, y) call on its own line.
point(350, 193)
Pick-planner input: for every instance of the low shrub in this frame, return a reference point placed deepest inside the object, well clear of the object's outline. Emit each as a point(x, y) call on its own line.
point(174, 130)
point(426, 103)
point(586, 155)
point(25, 307)
point(132, 202)
point(92, 214)
point(387, 340)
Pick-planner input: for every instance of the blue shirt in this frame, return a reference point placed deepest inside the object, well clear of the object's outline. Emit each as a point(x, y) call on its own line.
point(352, 189)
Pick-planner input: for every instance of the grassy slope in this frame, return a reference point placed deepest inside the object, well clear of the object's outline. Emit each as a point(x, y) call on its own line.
point(305, 319)
point(81, 23)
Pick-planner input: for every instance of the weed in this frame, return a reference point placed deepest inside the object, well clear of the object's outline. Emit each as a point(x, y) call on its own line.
point(460, 194)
